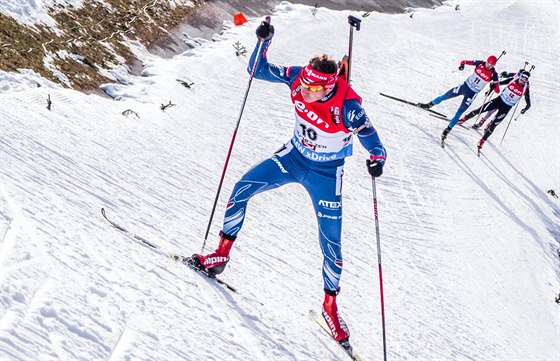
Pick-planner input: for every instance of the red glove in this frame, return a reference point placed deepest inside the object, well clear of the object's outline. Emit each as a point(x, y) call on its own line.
point(497, 89)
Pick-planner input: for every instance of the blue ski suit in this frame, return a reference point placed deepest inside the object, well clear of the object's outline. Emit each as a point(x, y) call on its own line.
point(314, 158)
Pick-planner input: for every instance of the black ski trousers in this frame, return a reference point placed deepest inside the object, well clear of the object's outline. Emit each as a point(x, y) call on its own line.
point(503, 110)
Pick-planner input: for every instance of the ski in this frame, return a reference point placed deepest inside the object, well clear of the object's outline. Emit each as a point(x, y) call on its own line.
point(176, 257)
point(321, 322)
point(433, 112)
point(438, 116)
point(463, 126)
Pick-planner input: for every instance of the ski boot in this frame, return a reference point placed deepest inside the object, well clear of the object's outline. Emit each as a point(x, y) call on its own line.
point(444, 135)
point(425, 105)
point(339, 330)
point(213, 263)
point(462, 120)
point(480, 144)
point(478, 125)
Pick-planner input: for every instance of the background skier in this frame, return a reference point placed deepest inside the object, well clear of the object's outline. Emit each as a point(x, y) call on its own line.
point(483, 73)
point(328, 112)
point(518, 87)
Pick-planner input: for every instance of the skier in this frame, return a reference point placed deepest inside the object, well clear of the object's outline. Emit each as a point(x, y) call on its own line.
point(483, 74)
point(327, 113)
point(490, 113)
point(518, 87)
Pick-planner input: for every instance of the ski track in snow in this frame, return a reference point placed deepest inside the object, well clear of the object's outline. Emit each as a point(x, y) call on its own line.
point(469, 243)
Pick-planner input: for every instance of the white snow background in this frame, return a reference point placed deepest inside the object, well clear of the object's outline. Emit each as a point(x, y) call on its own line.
point(469, 244)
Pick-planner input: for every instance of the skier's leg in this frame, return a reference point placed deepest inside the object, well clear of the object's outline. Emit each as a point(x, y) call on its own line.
point(502, 112)
point(486, 107)
point(488, 115)
point(485, 118)
point(269, 174)
point(326, 194)
point(451, 93)
point(468, 97)
point(325, 188)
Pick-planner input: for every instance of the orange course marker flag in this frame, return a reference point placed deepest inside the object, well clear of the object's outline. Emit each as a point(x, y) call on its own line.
point(239, 19)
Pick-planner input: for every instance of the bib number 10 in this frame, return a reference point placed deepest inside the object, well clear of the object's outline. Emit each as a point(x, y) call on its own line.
point(308, 132)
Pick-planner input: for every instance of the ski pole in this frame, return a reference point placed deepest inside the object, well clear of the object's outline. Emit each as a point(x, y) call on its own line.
point(232, 141)
point(483, 105)
point(354, 23)
point(509, 123)
point(512, 114)
point(516, 105)
point(379, 266)
point(503, 53)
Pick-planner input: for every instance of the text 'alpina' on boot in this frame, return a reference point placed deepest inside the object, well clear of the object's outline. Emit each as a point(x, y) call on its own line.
point(216, 262)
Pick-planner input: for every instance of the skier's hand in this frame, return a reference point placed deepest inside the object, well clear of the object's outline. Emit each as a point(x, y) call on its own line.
point(374, 167)
point(461, 66)
point(497, 90)
point(523, 110)
point(491, 88)
point(265, 31)
point(504, 74)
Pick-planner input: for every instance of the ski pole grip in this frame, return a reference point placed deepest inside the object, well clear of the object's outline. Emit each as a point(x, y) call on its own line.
point(354, 22)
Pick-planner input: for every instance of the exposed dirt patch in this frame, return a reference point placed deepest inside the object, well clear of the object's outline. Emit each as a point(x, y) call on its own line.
point(91, 37)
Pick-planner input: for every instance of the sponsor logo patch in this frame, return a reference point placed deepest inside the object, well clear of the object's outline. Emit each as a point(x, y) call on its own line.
point(330, 205)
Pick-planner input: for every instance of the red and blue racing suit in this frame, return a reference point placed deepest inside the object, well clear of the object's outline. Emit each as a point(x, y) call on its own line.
point(314, 158)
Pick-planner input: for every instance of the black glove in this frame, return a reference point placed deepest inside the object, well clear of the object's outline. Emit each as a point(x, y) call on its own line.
point(374, 167)
point(265, 31)
point(491, 89)
point(504, 74)
point(462, 66)
point(523, 110)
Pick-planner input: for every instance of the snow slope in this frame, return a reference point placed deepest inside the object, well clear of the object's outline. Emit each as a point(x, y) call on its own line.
point(469, 244)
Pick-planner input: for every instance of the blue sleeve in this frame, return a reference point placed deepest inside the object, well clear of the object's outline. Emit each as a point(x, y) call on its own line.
point(271, 72)
point(356, 119)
